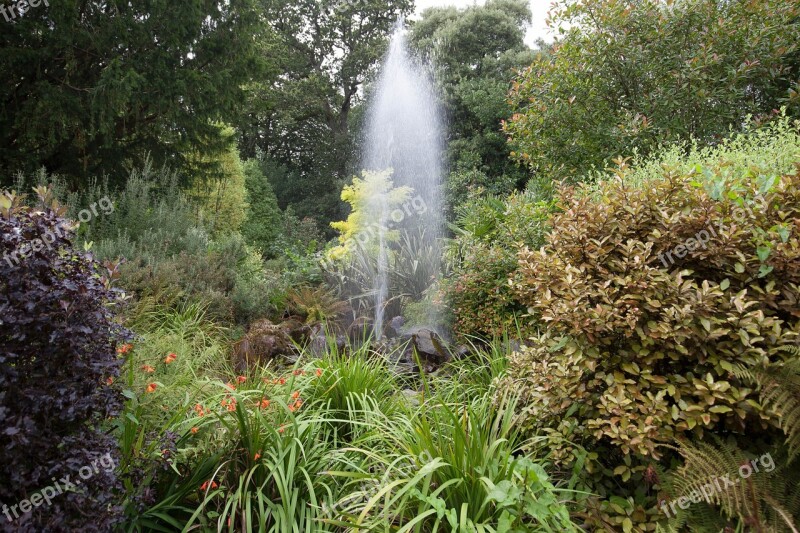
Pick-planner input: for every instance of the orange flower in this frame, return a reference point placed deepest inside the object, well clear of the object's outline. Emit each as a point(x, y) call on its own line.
point(151, 387)
point(230, 386)
point(257, 456)
point(110, 381)
point(319, 372)
point(295, 395)
point(195, 429)
point(229, 403)
point(279, 381)
point(281, 429)
point(205, 485)
point(148, 369)
point(125, 348)
point(299, 372)
point(170, 358)
point(241, 379)
point(264, 403)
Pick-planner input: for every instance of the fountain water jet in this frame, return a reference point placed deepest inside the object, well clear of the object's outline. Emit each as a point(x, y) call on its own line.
point(404, 132)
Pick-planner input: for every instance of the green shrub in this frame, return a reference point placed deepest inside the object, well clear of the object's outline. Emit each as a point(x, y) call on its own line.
point(651, 298)
point(455, 467)
point(489, 231)
point(263, 224)
point(626, 77)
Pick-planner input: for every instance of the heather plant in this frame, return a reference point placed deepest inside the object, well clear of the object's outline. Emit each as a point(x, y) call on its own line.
point(59, 360)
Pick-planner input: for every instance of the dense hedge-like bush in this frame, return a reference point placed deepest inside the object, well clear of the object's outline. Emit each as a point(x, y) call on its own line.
point(652, 296)
point(57, 363)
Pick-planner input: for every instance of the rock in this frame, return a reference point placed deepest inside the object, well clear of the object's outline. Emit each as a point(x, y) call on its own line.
point(297, 330)
point(360, 330)
point(263, 342)
point(411, 396)
point(397, 322)
point(430, 346)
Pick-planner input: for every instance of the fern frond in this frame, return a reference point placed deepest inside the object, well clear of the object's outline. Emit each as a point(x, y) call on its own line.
point(779, 391)
point(753, 491)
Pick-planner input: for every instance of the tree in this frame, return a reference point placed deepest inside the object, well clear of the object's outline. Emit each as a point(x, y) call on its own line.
point(218, 186)
point(476, 52)
point(325, 49)
point(90, 86)
point(628, 76)
point(263, 224)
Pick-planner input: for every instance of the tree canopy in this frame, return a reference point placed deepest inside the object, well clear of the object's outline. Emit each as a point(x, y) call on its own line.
point(626, 77)
point(91, 86)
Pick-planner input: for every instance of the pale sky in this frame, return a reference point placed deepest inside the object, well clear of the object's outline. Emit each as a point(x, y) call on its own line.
point(539, 9)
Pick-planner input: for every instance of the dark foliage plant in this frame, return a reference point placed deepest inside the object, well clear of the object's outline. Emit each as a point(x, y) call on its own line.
point(57, 366)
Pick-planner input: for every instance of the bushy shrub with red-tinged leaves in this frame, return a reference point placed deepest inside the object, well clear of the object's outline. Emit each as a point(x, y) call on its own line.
point(652, 299)
point(58, 361)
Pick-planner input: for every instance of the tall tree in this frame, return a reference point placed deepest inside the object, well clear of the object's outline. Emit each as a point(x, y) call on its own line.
point(476, 53)
point(326, 50)
point(628, 76)
point(88, 85)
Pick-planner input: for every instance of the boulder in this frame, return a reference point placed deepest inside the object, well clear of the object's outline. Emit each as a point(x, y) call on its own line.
point(429, 345)
point(360, 330)
point(263, 342)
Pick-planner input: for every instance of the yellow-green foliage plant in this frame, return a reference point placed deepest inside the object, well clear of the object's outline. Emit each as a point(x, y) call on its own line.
point(650, 299)
point(219, 186)
point(369, 197)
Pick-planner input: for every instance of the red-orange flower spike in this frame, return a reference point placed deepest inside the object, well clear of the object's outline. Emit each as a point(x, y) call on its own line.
point(148, 369)
point(241, 379)
point(195, 430)
point(264, 403)
point(257, 456)
point(125, 348)
point(230, 386)
point(205, 485)
point(151, 388)
point(295, 395)
point(319, 372)
point(110, 381)
point(170, 358)
point(229, 403)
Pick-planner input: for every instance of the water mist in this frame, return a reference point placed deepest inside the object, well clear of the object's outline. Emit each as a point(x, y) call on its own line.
point(404, 133)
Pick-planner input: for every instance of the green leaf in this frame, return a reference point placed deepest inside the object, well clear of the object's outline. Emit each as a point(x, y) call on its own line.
point(505, 494)
point(627, 525)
